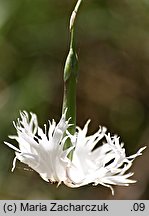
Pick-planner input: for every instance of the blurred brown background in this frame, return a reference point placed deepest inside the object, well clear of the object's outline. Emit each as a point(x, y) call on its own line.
point(113, 84)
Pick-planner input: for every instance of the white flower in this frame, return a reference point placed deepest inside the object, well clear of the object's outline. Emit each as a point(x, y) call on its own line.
point(42, 151)
point(105, 165)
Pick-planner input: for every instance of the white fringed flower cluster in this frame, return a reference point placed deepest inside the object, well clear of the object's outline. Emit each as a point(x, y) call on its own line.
point(44, 152)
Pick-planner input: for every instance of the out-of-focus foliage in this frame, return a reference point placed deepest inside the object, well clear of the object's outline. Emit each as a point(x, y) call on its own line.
point(113, 84)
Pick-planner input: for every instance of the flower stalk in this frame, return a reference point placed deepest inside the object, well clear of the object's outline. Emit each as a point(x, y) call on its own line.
point(70, 77)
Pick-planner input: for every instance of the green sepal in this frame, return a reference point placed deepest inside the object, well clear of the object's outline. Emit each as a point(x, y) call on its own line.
point(71, 65)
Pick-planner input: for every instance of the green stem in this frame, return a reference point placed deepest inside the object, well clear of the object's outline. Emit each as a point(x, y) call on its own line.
point(74, 13)
point(70, 82)
point(69, 102)
point(70, 78)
